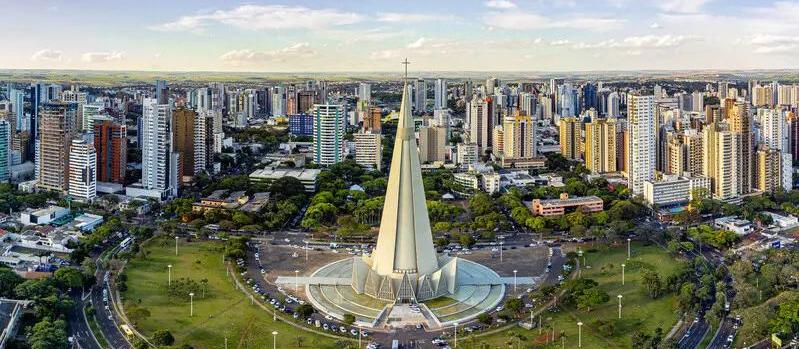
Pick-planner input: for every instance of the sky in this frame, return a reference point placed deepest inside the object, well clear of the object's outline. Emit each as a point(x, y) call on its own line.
point(375, 35)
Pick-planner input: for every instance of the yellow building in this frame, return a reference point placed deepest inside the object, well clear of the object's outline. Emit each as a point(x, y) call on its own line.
point(601, 144)
point(571, 138)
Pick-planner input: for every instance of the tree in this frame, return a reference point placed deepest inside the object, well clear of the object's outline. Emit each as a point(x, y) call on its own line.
point(787, 319)
point(592, 297)
point(515, 305)
point(68, 277)
point(651, 283)
point(8, 281)
point(485, 319)
point(305, 310)
point(163, 338)
point(48, 334)
point(349, 319)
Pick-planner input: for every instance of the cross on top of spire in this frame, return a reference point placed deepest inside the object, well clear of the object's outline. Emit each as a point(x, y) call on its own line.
point(405, 63)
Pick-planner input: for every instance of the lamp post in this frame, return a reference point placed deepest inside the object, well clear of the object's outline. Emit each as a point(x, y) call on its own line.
point(225, 342)
point(191, 304)
point(296, 281)
point(456, 335)
point(628, 248)
point(622, 274)
point(359, 336)
point(274, 339)
point(620, 296)
point(500, 250)
point(579, 270)
point(514, 279)
point(306, 251)
point(176, 245)
point(580, 334)
point(169, 274)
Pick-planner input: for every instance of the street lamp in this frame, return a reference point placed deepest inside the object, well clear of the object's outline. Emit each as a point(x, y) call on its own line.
point(176, 245)
point(500, 250)
point(628, 248)
point(296, 281)
point(359, 336)
point(306, 251)
point(514, 279)
point(169, 274)
point(191, 304)
point(620, 296)
point(622, 274)
point(456, 335)
point(274, 339)
point(579, 270)
point(580, 334)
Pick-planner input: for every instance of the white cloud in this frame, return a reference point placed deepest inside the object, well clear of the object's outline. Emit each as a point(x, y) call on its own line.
point(500, 4)
point(681, 6)
point(765, 44)
point(417, 44)
point(640, 42)
point(295, 51)
point(102, 57)
point(529, 21)
point(655, 25)
point(398, 17)
point(47, 55)
point(263, 17)
point(560, 42)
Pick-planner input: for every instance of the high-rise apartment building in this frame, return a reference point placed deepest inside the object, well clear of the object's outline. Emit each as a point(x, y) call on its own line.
point(773, 170)
point(519, 136)
point(740, 121)
point(365, 92)
point(83, 169)
point(329, 128)
point(159, 161)
point(600, 145)
point(432, 140)
point(5, 147)
point(372, 120)
point(641, 127)
point(571, 138)
point(111, 149)
point(481, 124)
point(774, 129)
point(420, 96)
point(440, 94)
point(184, 128)
point(56, 129)
point(721, 163)
point(368, 150)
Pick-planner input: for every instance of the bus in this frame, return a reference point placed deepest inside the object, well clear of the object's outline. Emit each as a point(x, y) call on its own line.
point(395, 344)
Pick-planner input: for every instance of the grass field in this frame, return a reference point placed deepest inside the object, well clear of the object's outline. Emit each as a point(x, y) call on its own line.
point(639, 311)
point(224, 311)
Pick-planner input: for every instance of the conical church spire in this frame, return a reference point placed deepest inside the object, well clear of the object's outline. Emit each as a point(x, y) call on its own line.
point(405, 241)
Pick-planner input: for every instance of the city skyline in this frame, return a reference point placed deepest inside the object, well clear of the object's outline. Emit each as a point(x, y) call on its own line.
point(493, 35)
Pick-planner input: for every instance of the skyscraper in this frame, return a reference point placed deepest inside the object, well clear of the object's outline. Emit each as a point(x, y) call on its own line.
point(740, 122)
point(481, 123)
point(368, 149)
point(600, 145)
point(83, 169)
point(328, 138)
point(641, 127)
point(519, 136)
point(183, 137)
point(432, 140)
point(365, 92)
point(159, 162)
point(440, 95)
point(5, 147)
point(420, 96)
point(56, 126)
point(111, 149)
point(571, 138)
point(720, 162)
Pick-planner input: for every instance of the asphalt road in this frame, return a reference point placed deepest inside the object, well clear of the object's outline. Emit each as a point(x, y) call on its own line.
point(694, 335)
point(78, 327)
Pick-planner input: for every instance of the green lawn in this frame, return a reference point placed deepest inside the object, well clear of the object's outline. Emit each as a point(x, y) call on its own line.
point(224, 311)
point(639, 311)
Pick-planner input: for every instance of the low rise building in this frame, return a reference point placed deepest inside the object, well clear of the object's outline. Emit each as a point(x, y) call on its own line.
point(734, 224)
point(558, 207)
point(781, 221)
point(674, 190)
point(42, 216)
point(268, 175)
point(220, 199)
